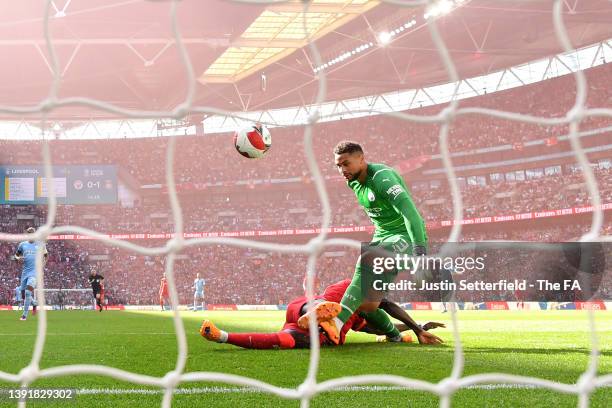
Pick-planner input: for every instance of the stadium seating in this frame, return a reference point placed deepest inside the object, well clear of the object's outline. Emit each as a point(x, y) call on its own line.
point(266, 278)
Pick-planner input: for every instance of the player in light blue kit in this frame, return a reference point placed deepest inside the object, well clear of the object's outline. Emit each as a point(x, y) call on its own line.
point(17, 298)
point(198, 286)
point(26, 252)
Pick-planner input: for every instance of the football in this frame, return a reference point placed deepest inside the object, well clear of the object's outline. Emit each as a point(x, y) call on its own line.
point(253, 141)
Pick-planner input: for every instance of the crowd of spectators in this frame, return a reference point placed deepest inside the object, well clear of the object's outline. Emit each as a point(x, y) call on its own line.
point(234, 212)
point(208, 158)
point(245, 276)
point(233, 275)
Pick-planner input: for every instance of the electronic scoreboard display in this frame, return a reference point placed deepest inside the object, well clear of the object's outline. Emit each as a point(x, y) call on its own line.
point(96, 184)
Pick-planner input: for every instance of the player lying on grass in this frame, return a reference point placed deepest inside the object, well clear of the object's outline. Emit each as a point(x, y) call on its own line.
point(294, 336)
point(384, 196)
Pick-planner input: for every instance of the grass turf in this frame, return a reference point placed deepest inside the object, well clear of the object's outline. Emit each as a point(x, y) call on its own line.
point(554, 345)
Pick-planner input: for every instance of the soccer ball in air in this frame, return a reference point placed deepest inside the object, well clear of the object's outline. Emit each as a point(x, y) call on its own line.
point(253, 141)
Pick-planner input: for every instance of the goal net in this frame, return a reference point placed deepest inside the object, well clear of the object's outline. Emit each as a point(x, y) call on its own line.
point(68, 299)
point(168, 250)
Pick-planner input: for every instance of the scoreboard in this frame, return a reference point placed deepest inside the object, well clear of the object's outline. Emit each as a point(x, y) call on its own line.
point(96, 184)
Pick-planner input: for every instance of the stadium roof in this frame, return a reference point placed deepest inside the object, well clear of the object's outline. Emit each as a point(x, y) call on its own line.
point(279, 31)
point(123, 51)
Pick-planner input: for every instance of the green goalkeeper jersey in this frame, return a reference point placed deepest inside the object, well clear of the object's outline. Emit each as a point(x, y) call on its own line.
point(385, 199)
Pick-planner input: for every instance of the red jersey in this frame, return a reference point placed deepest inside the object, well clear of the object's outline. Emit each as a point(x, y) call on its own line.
point(163, 288)
point(332, 293)
point(335, 291)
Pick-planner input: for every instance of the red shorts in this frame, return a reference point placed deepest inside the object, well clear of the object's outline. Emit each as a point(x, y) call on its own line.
point(164, 294)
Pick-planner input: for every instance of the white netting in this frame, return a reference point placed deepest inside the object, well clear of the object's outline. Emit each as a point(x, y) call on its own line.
point(584, 387)
point(69, 298)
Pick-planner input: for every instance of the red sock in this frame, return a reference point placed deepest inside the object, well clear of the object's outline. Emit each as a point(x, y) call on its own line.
point(261, 340)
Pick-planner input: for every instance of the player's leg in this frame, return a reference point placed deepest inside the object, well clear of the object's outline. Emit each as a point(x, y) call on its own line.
point(30, 284)
point(353, 297)
point(101, 300)
point(97, 298)
point(380, 320)
point(198, 296)
point(166, 302)
point(22, 291)
point(291, 336)
point(34, 302)
point(26, 305)
point(331, 316)
point(282, 339)
point(19, 298)
point(359, 291)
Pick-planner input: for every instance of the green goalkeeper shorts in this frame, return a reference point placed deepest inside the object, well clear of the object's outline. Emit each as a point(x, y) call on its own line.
point(369, 268)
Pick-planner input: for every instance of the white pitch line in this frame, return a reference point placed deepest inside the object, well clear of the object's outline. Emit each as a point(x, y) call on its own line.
point(242, 390)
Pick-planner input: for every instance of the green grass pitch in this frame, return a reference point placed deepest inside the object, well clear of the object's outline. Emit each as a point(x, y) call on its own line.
point(554, 345)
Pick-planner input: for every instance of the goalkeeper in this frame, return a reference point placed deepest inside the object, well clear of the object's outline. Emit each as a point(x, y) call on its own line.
point(399, 227)
point(293, 336)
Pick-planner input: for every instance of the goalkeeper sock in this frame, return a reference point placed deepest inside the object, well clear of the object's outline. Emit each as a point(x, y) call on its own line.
point(352, 299)
point(261, 340)
point(380, 320)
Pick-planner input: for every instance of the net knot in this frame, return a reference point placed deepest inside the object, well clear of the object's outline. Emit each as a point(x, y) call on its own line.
point(48, 104)
point(586, 384)
point(28, 374)
point(316, 245)
point(42, 232)
point(576, 114)
point(447, 114)
point(314, 117)
point(175, 245)
point(307, 389)
point(447, 387)
point(180, 111)
point(171, 379)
